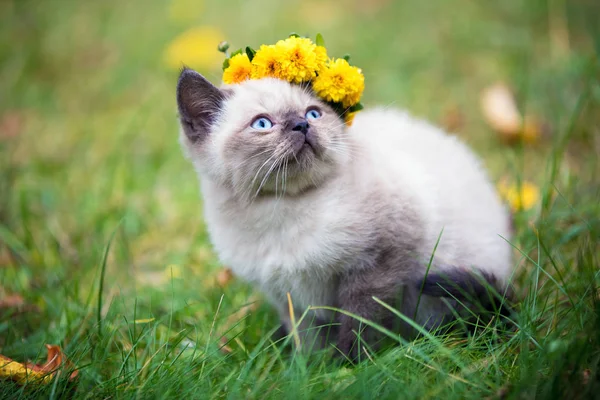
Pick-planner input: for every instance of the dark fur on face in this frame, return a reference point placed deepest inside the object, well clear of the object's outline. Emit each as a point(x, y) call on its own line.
point(293, 155)
point(199, 103)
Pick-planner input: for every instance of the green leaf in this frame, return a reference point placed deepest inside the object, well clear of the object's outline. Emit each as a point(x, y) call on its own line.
point(319, 40)
point(294, 34)
point(225, 64)
point(347, 57)
point(356, 107)
point(250, 52)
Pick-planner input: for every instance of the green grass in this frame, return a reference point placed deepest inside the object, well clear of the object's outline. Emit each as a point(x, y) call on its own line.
point(100, 217)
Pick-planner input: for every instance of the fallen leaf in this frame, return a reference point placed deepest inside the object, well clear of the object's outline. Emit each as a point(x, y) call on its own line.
point(11, 124)
point(224, 346)
point(12, 301)
point(499, 109)
point(55, 365)
point(224, 276)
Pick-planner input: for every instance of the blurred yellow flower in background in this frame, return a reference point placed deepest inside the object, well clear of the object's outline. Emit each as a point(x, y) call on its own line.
point(239, 69)
point(340, 83)
point(195, 48)
point(185, 11)
point(173, 271)
point(519, 197)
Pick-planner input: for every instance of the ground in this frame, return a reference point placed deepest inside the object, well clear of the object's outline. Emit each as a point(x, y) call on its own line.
point(102, 246)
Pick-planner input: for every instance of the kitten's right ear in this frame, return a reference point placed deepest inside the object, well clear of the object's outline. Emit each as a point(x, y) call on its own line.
point(199, 103)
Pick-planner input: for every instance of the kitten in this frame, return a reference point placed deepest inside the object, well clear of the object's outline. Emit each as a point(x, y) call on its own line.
point(295, 201)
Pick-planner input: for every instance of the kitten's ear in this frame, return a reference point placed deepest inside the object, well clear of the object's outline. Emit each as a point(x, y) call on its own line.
point(199, 103)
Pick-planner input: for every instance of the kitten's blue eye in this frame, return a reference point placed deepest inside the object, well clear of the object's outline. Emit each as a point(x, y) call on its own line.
point(312, 114)
point(262, 124)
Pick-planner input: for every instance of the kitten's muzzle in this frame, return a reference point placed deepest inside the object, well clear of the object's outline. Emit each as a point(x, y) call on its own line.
point(302, 135)
point(299, 125)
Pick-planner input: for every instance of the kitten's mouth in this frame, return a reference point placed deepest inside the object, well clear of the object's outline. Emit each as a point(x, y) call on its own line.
point(305, 144)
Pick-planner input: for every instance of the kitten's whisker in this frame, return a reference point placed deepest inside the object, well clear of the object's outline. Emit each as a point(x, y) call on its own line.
point(247, 160)
point(258, 172)
point(285, 176)
point(261, 167)
point(266, 177)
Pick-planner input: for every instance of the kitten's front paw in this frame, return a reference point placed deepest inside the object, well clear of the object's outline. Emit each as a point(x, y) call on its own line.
point(348, 343)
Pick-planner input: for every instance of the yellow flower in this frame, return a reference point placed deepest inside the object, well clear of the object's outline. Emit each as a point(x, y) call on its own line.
point(349, 119)
point(173, 271)
point(266, 63)
point(196, 48)
point(519, 197)
point(239, 69)
point(322, 58)
point(299, 62)
point(340, 83)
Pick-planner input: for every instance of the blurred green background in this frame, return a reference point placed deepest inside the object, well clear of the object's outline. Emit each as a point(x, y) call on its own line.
point(88, 138)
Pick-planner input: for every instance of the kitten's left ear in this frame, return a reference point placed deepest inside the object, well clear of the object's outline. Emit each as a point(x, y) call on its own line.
point(199, 103)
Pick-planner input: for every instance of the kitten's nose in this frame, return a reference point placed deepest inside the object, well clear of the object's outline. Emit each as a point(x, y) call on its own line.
point(301, 125)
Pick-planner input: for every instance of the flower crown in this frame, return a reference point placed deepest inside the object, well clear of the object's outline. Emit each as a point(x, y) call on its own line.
point(298, 60)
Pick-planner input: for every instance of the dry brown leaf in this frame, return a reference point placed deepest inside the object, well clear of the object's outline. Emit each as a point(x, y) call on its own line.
point(224, 276)
point(224, 346)
point(500, 111)
point(12, 301)
point(21, 373)
point(11, 124)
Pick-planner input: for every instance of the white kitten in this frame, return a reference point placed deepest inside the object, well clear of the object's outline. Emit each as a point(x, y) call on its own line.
point(297, 202)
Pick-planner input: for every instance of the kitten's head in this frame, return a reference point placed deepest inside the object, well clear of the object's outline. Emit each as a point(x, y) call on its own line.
point(265, 136)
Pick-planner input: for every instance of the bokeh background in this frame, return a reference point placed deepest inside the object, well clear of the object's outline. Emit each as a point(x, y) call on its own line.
point(89, 150)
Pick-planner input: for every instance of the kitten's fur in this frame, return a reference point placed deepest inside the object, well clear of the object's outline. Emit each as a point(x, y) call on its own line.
point(339, 215)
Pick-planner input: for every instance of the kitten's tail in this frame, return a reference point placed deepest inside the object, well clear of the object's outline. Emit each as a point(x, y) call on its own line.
point(478, 289)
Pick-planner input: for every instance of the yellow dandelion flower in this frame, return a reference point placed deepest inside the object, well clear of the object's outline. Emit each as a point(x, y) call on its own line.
point(349, 119)
point(266, 63)
point(173, 271)
point(239, 69)
point(196, 48)
point(299, 59)
point(519, 197)
point(340, 83)
point(321, 53)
